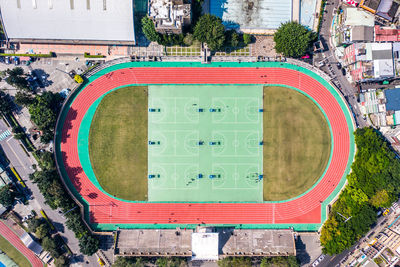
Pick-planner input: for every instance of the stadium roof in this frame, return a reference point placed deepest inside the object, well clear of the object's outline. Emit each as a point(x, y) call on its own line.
point(107, 20)
point(260, 14)
point(205, 246)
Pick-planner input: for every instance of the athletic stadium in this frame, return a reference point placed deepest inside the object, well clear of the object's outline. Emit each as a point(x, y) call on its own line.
point(166, 145)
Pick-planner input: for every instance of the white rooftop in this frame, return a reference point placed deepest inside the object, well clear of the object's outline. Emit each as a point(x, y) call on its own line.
point(97, 20)
point(357, 17)
point(205, 246)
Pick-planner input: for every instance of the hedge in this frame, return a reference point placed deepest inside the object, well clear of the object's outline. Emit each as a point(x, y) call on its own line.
point(51, 54)
point(87, 55)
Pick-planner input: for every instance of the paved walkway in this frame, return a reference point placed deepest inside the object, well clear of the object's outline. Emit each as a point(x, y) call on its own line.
point(17, 243)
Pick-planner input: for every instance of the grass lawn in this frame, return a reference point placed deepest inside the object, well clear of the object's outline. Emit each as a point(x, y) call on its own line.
point(296, 143)
point(13, 253)
point(118, 143)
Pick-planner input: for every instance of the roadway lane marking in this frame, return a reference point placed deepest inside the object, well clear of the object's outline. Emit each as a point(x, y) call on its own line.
point(20, 162)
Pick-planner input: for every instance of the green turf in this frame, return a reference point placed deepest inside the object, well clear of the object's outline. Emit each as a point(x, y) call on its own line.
point(118, 143)
point(179, 159)
point(13, 253)
point(297, 143)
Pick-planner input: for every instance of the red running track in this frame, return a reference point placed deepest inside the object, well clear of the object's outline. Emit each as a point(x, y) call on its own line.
point(17, 243)
point(107, 210)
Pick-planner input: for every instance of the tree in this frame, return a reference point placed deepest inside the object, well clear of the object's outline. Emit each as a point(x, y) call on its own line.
point(42, 230)
point(50, 245)
point(293, 39)
point(246, 38)
point(234, 39)
point(5, 106)
point(209, 29)
point(7, 196)
point(44, 111)
point(17, 71)
point(88, 244)
point(46, 161)
point(374, 182)
point(235, 262)
point(16, 78)
point(289, 261)
point(188, 40)
point(129, 262)
point(23, 99)
point(171, 262)
point(149, 30)
point(78, 78)
point(62, 261)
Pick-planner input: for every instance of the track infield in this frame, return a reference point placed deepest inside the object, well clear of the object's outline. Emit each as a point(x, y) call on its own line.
point(297, 143)
point(105, 212)
point(118, 143)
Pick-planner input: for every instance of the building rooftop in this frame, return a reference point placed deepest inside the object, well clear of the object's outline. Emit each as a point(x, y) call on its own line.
point(370, 5)
point(386, 34)
point(169, 15)
point(392, 99)
point(205, 246)
point(362, 33)
point(31, 244)
point(252, 14)
point(358, 17)
point(108, 20)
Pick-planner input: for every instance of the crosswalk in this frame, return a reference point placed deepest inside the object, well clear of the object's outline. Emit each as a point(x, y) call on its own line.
point(4, 135)
point(395, 206)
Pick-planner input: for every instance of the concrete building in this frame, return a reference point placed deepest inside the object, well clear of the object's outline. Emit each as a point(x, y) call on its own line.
point(370, 61)
point(170, 16)
point(206, 243)
point(64, 23)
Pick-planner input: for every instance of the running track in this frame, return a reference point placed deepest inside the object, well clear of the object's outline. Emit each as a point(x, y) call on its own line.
point(303, 210)
point(17, 243)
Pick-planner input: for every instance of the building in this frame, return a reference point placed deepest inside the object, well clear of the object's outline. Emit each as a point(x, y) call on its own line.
point(67, 22)
point(265, 16)
point(170, 16)
point(386, 34)
point(204, 244)
point(384, 9)
point(354, 25)
point(370, 61)
point(31, 244)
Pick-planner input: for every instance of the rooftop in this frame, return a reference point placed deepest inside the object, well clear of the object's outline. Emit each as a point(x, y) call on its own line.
point(386, 34)
point(205, 246)
point(392, 99)
point(362, 33)
point(358, 17)
point(252, 14)
point(79, 20)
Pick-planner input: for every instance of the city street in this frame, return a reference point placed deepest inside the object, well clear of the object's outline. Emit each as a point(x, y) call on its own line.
point(23, 165)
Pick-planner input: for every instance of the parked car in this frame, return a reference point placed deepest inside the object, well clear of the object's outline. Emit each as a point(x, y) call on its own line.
point(7, 60)
point(16, 61)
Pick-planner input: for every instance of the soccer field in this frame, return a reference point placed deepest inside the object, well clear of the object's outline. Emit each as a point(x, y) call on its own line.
point(118, 143)
point(297, 143)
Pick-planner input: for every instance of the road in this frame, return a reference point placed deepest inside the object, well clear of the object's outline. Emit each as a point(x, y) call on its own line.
point(23, 165)
point(347, 89)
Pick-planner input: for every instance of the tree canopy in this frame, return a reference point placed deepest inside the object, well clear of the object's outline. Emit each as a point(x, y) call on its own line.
point(88, 244)
point(7, 196)
point(44, 111)
point(209, 29)
point(293, 39)
point(373, 183)
point(149, 30)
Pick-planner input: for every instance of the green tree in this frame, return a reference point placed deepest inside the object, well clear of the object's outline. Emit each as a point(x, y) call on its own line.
point(235, 39)
point(46, 161)
point(129, 262)
point(5, 106)
point(382, 199)
point(44, 111)
point(289, 261)
point(209, 29)
point(149, 30)
point(88, 244)
point(17, 71)
point(42, 230)
point(34, 223)
point(23, 99)
point(171, 262)
point(246, 38)
point(293, 39)
point(50, 245)
point(188, 40)
point(62, 261)
point(235, 262)
point(18, 81)
point(7, 196)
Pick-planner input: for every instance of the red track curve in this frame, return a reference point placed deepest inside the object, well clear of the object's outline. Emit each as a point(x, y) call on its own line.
point(107, 210)
point(17, 243)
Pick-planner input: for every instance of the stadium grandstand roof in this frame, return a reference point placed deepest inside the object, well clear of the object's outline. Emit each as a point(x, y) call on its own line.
point(69, 20)
point(250, 14)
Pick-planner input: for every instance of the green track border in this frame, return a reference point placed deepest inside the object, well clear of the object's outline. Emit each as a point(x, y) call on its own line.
point(297, 227)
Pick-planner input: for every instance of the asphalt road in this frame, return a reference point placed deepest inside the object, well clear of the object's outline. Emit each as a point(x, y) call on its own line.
point(23, 164)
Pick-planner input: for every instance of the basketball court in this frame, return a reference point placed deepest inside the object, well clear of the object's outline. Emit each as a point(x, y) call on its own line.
point(205, 143)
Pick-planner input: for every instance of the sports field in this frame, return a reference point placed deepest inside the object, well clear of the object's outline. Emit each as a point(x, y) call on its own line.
point(13, 253)
point(118, 143)
point(205, 143)
point(297, 143)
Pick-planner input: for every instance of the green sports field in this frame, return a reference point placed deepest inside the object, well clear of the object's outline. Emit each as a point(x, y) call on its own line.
point(297, 143)
point(208, 143)
point(118, 143)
